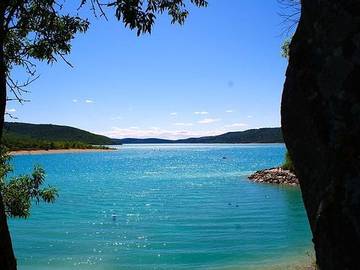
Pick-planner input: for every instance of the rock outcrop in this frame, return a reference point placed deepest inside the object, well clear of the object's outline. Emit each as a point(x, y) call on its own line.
point(320, 120)
point(275, 176)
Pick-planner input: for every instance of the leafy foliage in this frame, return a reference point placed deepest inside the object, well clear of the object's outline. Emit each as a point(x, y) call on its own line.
point(288, 164)
point(42, 30)
point(37, 29)
point(285, 48)
point(20, 191)
point(141, 14)
point(34, 30)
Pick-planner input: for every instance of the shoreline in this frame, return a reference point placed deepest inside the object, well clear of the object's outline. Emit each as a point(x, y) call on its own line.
point(275, 175)
point(57, 151)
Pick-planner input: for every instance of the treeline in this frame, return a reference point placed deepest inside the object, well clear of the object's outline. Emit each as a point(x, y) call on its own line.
point(14, 143)
point(25, 136)
point(261, 135)
point(55, 133)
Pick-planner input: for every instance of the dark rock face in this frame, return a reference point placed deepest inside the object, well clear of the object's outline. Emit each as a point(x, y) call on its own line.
point(275, 176)
point(321, 126)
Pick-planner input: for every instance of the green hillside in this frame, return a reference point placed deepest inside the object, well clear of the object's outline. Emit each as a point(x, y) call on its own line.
point(54, 133)
point(18, 136)
point(261, 135)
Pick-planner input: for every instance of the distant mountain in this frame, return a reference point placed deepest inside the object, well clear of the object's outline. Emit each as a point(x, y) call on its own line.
point(54, 133)
point(40, 136)
point(139, 141)
point(261, 135)
point(47, 136)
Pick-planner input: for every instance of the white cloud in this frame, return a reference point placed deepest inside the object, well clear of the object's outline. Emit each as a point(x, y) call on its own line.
point(118, 132)
point(74, 100)
point(11, 110)
point(237, 125)
point(184, 124)
point(209, 120)
point(249, 116)
point(89, 101)
point(229, 111)
point(173, 113)
point(201, 113)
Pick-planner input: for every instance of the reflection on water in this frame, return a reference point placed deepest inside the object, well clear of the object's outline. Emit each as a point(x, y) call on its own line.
point(163, 207)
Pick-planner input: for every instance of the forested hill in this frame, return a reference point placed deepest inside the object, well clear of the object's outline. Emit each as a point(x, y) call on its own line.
point(53, 133)
point(262, 135)
point(47, 136)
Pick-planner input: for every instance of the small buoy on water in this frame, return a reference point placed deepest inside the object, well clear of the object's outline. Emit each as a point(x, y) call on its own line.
point(113, 217)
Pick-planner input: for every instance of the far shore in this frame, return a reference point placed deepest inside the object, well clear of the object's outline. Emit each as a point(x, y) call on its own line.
point(57, 151)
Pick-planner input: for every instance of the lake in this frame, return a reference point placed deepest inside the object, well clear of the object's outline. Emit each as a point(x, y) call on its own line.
point(163, 207)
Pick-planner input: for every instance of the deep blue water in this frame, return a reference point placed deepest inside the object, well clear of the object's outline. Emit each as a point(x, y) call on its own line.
point(162, 207)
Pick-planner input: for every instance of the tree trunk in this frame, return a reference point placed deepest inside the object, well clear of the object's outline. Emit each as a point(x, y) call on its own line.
point(321, 126)
point(7, 257)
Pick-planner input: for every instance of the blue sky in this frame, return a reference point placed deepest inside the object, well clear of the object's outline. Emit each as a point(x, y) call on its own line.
point(222, 71)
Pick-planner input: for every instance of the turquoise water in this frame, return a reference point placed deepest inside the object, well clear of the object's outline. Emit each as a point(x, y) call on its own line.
point(162, 207)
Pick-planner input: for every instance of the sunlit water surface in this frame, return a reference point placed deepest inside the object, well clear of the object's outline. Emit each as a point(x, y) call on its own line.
point(163, 207)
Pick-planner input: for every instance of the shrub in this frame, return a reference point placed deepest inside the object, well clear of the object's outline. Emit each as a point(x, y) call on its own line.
point(288, 165)
point(20, 191)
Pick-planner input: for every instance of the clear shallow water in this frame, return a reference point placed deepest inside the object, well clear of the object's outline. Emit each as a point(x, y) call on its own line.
point(176, 207)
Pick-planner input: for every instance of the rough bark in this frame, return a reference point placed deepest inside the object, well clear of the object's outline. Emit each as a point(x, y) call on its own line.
point(321, 126)
point(7, 257)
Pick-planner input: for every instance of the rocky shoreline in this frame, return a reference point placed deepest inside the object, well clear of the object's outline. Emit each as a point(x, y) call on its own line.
point(275, 176)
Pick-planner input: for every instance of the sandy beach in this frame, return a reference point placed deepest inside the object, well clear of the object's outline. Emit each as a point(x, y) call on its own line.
point(57, 151)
